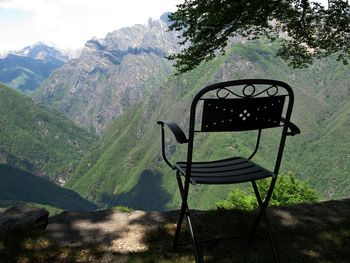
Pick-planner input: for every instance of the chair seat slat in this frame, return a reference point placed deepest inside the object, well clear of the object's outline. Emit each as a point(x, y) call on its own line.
point(219, 163)
point(232, 180)
point(227, 168)
point(235, 170)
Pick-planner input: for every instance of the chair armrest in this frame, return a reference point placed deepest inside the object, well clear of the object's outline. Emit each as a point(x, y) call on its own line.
point(293, 129)
point(176, 130)
point(179, 135)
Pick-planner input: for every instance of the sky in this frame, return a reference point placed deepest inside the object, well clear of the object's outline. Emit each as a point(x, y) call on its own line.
point(68, 24)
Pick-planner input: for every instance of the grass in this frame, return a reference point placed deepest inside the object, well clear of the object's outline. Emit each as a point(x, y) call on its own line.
point(123, 208)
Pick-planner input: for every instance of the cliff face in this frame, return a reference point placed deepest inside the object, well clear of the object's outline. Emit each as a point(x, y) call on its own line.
point(111, 74)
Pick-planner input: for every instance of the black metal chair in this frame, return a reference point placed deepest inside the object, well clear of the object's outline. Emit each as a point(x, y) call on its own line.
point(233, 106)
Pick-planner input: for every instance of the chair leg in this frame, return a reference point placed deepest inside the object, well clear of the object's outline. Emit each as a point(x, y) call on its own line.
point(185, 211)
point(272, 241)
point(262, 213)
point(261, 208)
point(178, 229)
point(255, 225)
point(197, 255)
point(184, 208)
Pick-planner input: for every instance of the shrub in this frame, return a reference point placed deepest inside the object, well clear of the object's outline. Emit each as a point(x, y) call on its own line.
point(123, 208)
point(288, 190)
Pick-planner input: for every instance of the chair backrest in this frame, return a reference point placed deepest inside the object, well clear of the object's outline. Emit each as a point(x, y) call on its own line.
point(242, 105)
point(241, 115)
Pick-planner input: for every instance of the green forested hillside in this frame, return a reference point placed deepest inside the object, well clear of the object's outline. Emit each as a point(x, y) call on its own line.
point(38, 140)
point(126, 167)
point(326, 160)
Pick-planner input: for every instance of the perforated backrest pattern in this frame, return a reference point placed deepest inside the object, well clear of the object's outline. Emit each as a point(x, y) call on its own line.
point(241, 114)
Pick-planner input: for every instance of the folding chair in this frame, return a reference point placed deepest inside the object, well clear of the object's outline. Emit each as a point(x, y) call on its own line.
point(233, 106)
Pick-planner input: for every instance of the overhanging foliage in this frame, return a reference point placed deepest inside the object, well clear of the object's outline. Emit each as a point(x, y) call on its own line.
point(306, 30)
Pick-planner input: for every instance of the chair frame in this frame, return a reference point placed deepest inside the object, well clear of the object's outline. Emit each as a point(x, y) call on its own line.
point(288, 129)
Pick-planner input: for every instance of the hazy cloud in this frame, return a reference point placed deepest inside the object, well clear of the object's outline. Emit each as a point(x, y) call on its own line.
point(69, 23)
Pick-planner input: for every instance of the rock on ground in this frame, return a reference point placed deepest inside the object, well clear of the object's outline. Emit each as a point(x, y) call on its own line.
point(12, 218)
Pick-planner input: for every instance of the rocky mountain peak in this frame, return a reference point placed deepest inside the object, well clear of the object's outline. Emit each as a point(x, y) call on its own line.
point(42, 51)
point(95, 43)
point(111, 74)
point(152, 35)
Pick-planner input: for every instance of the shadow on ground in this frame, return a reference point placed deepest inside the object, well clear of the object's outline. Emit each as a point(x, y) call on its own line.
point(303, 233)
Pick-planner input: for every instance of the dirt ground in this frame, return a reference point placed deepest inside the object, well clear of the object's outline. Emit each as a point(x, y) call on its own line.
point(304, 233)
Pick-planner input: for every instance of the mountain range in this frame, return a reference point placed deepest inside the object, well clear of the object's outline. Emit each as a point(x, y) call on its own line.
point(125, 167)
point(110, 75)
point(25, 69)
point(122, 84)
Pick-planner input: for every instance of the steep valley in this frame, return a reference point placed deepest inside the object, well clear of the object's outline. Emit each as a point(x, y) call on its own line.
point(122, 84)
point(125, 168)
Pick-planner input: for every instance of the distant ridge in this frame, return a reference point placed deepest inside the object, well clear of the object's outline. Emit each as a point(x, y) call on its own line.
point(25, 69)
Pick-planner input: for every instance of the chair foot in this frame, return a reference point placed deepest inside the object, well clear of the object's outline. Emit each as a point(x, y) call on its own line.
point(196, 251)
point(197, 254)
point(177, 232)
point(272, 241)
